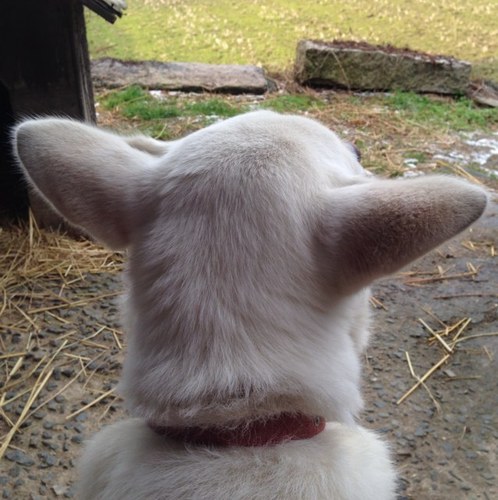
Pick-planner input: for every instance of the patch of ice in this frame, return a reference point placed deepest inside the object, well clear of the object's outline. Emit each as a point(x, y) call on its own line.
point(157, 94)
point(490, 171)
point(452, 157)
point(412, 173)
point(486, 147)
point(411, 162)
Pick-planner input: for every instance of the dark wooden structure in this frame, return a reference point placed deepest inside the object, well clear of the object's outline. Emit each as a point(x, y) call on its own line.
point(44, 70)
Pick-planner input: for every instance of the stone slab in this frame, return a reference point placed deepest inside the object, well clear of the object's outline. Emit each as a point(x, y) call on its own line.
point(484, 93)
point(234, 79)
point(361, 66)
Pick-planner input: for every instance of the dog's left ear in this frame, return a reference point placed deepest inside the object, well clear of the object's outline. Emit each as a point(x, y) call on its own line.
point(373, 229)
point(91, 177)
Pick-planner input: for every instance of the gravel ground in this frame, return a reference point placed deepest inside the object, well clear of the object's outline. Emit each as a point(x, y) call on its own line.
point(445, 447)
point(444, 438)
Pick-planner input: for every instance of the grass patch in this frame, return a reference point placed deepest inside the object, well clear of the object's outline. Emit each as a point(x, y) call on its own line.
point(460, 114)
point(388, 129)
point(265, 32)
point(418, 156)
point(130, 94)
point(212, 107)
point(136, 103)
point(150, 111)
point(440, 113)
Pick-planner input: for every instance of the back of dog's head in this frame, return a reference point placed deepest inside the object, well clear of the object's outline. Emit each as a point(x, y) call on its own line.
point(250, 244)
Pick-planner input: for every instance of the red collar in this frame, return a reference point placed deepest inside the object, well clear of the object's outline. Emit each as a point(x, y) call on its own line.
point(267, 432)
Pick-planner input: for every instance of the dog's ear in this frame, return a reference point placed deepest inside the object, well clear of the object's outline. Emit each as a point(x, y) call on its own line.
point(89, 176)
point(373, 229)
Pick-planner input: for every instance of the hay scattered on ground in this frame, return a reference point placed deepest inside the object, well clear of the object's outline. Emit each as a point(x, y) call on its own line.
point(45, 281)
point(448, 337)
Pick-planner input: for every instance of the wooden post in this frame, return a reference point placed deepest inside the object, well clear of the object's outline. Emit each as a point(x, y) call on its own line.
point(44, 70)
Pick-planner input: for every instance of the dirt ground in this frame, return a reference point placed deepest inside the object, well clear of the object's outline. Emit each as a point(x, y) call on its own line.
point(444, 436)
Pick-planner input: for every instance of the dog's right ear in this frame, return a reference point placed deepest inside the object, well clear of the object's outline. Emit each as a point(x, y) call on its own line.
point(373, 229)
point(91, 177)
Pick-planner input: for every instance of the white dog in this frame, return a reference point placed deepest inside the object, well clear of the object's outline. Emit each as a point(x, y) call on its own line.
point(251, 244)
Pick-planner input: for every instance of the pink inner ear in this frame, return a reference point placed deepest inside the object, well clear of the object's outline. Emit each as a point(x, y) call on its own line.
point(374, 229)
point(90, 176)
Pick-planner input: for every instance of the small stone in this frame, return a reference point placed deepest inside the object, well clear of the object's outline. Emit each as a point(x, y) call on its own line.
point(81, 417)
point(52, 406)
point(67, 372)
point(487, 419)
point(488, 476)
point(14, 471)
point(50, 445)
point(59, 490)
point(448, 449)
point(26, 423)
point(79, 428)
point(47, 479)
point(55, 329)
point(420, 432)
point(47, 459)
point(69, 493)
point(19, 457)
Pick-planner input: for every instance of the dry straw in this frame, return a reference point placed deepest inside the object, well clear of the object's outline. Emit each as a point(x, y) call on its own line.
point(39, 271)
point(448, 337)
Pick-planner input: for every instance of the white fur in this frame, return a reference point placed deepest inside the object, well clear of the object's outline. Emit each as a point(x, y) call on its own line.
point(342, 462)
point(250, 244)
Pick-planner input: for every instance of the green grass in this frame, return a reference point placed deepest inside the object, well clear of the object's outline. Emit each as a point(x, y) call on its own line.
point(136, 103)
point(419, 156)
point(266, 32)
point(461, 114)
point(212, 107)
point(439, 113)
point(387, 129)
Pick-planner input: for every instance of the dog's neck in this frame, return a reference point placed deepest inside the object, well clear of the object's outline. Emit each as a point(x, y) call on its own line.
point(265, 432)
